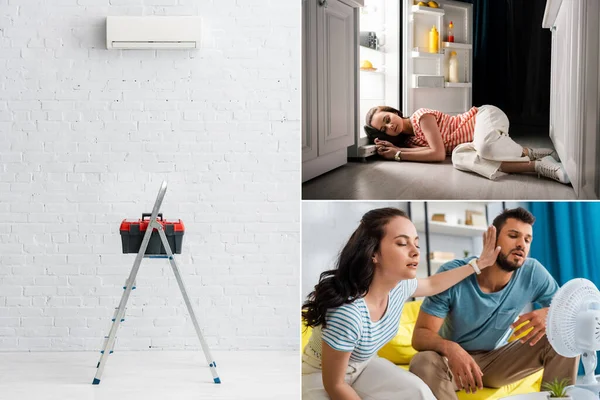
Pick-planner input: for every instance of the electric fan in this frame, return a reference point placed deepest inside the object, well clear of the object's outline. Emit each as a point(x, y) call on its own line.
point(573, 328)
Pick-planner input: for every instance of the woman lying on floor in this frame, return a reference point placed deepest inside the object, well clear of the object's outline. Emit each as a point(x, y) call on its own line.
point(477, 139)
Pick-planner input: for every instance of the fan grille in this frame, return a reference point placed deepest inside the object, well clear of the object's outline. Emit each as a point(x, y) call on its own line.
point(565, 306)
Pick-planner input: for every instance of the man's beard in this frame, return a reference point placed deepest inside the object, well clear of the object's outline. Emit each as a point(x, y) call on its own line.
point(504, 263)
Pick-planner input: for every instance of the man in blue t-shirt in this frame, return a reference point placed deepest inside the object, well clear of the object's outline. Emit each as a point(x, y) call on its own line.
point(461, 334)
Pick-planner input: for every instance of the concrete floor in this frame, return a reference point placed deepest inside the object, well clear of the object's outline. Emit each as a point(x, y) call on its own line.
point(377, 179)
point(150, 375)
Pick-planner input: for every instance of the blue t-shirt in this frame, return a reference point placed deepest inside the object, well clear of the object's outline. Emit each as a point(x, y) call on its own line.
point(481, 321)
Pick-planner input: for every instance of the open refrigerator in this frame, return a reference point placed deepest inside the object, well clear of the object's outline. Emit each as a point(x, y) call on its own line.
point(399, 67)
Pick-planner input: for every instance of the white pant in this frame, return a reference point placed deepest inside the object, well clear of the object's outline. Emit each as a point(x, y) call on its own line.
point(376, 379)
point(491, 145)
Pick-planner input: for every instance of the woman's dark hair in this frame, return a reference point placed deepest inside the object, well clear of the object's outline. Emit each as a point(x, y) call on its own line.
point(372, 133)
point(518, 213)
point(354, 271)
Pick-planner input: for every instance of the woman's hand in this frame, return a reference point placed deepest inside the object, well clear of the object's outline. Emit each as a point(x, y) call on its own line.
point(385, 149)
point(490, 252)
point(384, 143)
point(387, 152)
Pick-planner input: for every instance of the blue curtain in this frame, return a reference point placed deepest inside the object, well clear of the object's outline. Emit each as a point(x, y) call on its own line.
point(565, 240)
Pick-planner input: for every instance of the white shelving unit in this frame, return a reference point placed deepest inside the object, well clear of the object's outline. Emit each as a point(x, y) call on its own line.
point(451, 98)
point(423, 54)
point(456, 46)
point(457, 85)
point(427, 10)
point(444, 228)
point(436, 264)
point(372, 83)
point(452, 236)
point(366, 71)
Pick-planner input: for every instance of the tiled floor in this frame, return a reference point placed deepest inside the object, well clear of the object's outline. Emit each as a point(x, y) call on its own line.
point(150, 375)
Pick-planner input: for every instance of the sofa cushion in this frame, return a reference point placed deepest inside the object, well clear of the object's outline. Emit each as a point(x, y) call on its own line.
point(399, 350)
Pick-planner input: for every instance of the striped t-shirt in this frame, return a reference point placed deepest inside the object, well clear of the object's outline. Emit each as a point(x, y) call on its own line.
point(455, 130)
point(349, 327)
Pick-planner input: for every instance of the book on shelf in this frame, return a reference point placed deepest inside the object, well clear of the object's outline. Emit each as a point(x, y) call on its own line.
point(441, 255)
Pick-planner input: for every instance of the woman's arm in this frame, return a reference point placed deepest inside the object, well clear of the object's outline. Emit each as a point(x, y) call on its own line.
point(434, 137)
point(412, 149)
point(424, 154)
point(439, 282)
point(334, 366)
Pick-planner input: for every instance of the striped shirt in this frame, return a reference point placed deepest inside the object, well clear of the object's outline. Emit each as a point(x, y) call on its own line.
point(349, 327)
point(455, 130)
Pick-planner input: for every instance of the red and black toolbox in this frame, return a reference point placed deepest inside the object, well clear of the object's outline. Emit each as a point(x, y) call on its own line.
point(132, 233)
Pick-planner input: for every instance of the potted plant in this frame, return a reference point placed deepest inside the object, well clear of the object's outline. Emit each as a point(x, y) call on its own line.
point(557, 389)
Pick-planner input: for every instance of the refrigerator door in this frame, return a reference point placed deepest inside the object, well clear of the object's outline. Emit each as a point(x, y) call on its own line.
point(379, 63)
point(425, 60)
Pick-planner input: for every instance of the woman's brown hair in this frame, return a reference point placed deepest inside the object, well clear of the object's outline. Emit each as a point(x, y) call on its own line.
point(372, 133)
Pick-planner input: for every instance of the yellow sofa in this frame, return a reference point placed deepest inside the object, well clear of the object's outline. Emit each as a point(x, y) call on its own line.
point(399, 351)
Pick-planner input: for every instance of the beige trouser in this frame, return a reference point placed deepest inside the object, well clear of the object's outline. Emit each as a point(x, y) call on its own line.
point(491, 145)
point(505, 365)
point(376, 379)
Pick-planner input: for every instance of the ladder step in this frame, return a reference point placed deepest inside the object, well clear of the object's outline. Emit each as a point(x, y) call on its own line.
point(158, 256)
point(122, 319)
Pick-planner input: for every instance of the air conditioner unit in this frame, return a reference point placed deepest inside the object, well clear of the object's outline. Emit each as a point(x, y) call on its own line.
point(152, 32)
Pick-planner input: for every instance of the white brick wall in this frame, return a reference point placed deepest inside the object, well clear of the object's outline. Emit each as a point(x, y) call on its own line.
point(86, 137)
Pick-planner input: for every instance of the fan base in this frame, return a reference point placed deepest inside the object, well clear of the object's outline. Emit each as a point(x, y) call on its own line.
point(585, 391)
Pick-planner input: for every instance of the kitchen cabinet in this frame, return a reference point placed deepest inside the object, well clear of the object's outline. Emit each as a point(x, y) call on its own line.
point(330, 81)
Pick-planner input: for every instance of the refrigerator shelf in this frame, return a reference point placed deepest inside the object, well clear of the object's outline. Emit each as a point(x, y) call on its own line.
point(453, 45)
point(457, 85)
point(371, 72)
point(428, 10)
point(425, 54)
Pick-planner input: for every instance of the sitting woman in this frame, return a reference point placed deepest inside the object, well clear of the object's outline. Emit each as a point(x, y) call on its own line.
point(355, 309)
point(477, 139)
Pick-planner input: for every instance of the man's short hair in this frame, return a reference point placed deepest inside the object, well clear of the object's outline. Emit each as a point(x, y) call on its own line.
point(519, 213)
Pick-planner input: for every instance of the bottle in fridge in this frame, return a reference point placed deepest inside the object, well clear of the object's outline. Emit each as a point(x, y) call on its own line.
point(434, 40)
point(453, 68)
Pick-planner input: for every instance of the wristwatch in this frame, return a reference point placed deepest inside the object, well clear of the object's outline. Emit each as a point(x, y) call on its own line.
point(473, 264)
point(398, 156)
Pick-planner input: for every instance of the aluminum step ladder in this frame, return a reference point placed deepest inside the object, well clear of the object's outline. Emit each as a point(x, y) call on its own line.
point(119, 315)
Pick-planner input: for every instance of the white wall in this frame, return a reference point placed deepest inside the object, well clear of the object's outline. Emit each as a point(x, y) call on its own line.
point(86, 137)
point(326, 227)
